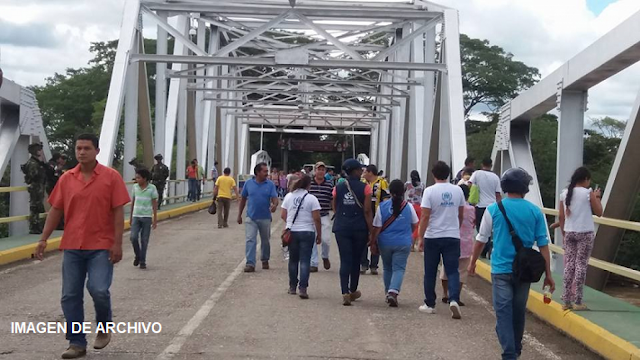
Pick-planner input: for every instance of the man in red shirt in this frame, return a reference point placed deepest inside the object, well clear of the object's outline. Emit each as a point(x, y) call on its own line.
point(92, 198)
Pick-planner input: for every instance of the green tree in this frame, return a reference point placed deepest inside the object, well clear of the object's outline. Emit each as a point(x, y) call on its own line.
point(490, 75)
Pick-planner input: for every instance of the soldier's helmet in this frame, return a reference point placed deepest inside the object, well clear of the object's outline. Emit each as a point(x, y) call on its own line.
point(34, 148)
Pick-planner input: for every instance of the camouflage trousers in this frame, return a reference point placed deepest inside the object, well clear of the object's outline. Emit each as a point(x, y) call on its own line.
point(36, 207)
point(160, 187)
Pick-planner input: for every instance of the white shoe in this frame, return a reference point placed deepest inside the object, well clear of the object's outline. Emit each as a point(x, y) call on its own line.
point(427, 309)
point(455, 310)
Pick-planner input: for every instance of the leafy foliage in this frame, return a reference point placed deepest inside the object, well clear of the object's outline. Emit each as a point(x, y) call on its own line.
point(490, 76)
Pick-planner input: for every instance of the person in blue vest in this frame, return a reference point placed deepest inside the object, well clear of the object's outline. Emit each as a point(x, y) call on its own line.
point(393, 228)
point(352, 226)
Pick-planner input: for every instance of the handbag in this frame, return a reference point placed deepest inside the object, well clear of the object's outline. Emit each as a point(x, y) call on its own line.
point(286, 233)
point(529, 264)
point(213, 208)
point(390, 220)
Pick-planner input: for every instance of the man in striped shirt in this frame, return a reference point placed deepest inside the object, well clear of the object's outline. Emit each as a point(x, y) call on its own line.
point(323, 190)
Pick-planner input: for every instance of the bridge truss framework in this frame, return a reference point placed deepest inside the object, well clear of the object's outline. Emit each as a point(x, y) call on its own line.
point(566, 90)
point(391, 70)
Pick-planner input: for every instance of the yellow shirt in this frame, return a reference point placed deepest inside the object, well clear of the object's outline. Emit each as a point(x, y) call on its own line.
point(380, 190)
point(225, 184)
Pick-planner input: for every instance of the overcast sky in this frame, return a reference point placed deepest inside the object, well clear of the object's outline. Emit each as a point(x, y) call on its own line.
point(41, 37)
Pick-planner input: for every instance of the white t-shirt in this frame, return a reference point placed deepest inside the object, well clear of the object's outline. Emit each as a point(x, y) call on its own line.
point(489, 184)
point(581, 218)
point(444, 200)
point(304, 221)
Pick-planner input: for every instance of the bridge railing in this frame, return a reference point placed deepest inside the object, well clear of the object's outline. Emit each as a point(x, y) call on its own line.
point(173, 187)
point(597, 263)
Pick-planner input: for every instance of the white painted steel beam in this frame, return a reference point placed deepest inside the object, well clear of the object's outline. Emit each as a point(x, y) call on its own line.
point(453, 79)
point(399, 116)
point(113, 108)
point(172, 102)
point(612, 53)
point(131, 117)
point(323, 64)
point(161, 88)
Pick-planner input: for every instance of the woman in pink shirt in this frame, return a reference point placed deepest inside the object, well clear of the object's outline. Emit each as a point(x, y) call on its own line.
point(467, 231)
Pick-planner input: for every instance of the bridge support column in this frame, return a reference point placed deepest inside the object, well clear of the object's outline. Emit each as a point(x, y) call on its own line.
point(570, 145)
point(131, 117)
point(209, 114)
point(399, 116)
point(161, 89)
point(383, 129)
point(619, 198)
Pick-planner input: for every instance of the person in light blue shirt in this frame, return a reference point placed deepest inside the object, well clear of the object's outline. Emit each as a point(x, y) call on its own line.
point(395, 240)
point(509, 295)
point(260, 196)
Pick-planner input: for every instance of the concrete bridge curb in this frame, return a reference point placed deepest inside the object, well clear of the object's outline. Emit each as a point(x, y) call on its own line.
point(571, 323)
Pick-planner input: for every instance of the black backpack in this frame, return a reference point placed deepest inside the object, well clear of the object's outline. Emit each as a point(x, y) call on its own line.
point(529, 264)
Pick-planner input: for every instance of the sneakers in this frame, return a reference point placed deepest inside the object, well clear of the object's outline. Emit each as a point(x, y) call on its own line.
point(313, 269)
point(355, 295)
point(455, 310)
point(346, 299)
point(427, 309)
point(326, 263)
point(136, 262)
point(363, 270)
point(303, 293)
point(292, 291)
point(143, 266)
point(219, 226)
point(567, 306)
point(392, 299)
point(249, 268)
point(374, 271)
point(265, 265)
point(580, 307)
point(102, 340)
point(74, 352)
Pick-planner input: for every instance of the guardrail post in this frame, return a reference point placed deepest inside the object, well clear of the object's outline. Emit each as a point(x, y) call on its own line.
point(19, 200)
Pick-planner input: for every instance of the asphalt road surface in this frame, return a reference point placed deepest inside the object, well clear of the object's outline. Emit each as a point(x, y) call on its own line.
point(209, 309)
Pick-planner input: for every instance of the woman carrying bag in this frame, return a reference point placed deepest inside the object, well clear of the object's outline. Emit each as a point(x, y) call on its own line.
point(394, 223)
point(301, 212)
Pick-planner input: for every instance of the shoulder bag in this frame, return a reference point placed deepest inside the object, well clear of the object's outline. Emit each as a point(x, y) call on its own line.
point(286, 233)
point(374, 244)
point(529, 264)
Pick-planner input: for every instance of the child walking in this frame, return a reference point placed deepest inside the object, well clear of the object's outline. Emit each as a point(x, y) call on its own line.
point(144, 215)
point(467, 231)
point(578, 204)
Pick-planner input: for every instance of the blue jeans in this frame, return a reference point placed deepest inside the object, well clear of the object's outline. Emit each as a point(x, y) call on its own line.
point(76, 265)
point(140, 231)
point(300, 254)
point(326, 241)
point(351, 244)
point(193, 184)
point(510, 304)
point(252, 227)
point(449, 250)
point(394, 262)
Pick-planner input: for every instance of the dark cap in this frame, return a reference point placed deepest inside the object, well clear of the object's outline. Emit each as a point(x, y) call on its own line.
point(34, 148)
point(351, 164)
point(158, 157)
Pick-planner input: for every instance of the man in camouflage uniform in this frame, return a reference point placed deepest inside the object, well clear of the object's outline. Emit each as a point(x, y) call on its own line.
point(159, 175)
point(35, 176)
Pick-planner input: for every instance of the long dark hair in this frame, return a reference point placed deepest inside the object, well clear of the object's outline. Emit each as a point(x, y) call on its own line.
point(415, 178)
point(581, 174)
point(396, 188)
